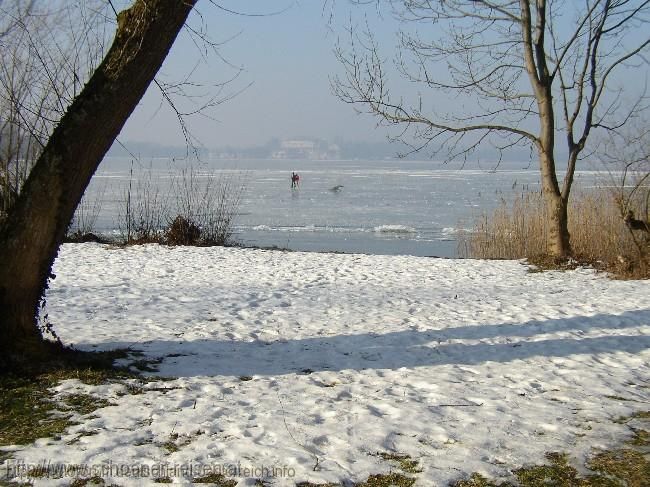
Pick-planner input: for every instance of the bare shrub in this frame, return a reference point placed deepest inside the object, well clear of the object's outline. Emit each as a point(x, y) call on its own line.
point(182, 232)
point(222, 206)
point(192, 208)
point(145, 211)
point(517, 231)
point(209, 201)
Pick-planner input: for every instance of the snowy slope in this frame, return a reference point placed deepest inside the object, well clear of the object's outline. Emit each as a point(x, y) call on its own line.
point(464, 365)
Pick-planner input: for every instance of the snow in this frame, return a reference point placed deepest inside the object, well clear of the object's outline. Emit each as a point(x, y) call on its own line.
point(314, 363)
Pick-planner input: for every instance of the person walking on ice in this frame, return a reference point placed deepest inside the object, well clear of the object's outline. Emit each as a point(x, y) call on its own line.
point(295, 180)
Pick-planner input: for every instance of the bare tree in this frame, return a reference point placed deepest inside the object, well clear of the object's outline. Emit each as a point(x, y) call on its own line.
point(521, 72)
point(45, 54)
point(36, 224)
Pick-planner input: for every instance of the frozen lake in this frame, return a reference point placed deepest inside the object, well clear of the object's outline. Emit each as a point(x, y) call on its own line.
point(380, 207)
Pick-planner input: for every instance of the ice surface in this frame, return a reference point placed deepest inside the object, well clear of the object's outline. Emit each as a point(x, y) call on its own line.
point(381, 207)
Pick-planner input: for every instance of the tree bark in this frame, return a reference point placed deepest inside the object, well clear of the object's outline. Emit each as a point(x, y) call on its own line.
point(556, 206)
point(558, 238)
point(31, 235)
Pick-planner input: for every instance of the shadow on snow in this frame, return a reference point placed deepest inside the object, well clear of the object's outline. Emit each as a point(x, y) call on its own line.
point(405, 348)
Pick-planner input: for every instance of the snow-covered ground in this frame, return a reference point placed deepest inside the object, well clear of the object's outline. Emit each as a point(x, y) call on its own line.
point(312, 364)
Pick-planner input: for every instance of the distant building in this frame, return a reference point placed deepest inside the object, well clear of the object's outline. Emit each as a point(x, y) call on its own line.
point(306, 149)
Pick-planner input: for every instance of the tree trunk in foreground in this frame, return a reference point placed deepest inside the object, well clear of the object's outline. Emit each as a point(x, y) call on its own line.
point(36, 225)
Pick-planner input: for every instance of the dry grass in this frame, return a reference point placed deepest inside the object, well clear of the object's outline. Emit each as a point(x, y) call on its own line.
point(27, 408)
point(626, 465)
point(598, 234)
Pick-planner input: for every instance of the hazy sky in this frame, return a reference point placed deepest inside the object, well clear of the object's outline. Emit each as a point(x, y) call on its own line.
point(287, 57)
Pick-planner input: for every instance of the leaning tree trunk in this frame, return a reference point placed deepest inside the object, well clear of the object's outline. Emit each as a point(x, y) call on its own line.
point(36, 225)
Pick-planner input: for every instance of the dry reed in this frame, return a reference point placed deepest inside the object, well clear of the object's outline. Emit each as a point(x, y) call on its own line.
point(518, 230)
